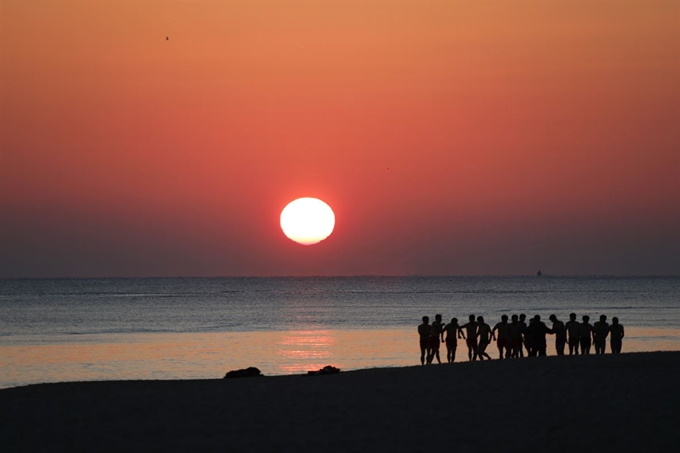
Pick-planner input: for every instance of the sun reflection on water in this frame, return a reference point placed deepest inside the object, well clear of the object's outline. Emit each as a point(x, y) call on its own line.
point(305, 350)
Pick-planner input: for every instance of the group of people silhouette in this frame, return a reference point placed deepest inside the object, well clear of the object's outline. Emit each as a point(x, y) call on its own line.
point(515, 336)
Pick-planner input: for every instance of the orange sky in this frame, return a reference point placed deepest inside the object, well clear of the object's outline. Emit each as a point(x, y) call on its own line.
point(450, 137)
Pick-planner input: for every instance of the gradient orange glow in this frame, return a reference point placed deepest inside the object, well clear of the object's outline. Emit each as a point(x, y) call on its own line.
point(452, 137)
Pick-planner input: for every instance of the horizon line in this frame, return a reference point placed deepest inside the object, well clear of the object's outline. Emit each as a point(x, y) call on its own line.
point(544, 275)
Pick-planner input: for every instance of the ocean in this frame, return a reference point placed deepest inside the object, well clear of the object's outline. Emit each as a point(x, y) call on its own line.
point(199, 328)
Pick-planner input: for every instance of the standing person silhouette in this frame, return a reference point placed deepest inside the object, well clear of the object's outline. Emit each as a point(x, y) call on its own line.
point(572, 327)
point(536, 331)
point(616, 338)
point(424, 332)
point(560, 334)
point(585, 333)
point(484, 334)
point(515, 336)
point(452, 334)
point(600, 332)
point(522, 328)
point(529, 338)
point(503, 338)
point(436, 332)
point(471, 339)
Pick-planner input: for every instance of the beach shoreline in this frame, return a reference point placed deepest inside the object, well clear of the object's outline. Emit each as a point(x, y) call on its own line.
point(626, 402)
point(208, 355)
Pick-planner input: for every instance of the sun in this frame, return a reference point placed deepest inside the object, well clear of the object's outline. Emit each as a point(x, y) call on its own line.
point(307, 221)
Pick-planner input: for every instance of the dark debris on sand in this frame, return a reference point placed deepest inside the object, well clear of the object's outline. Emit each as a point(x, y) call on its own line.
point(246, 372)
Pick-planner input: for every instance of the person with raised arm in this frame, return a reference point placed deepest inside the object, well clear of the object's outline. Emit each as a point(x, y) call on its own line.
point(469, 331)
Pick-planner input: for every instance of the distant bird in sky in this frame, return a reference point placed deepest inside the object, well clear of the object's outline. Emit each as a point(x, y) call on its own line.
point(167, 39)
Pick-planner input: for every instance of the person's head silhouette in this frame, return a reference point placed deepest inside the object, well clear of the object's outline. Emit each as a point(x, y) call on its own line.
point(472, 318)
point(586, 318)
point(553, 318)
point(572, 316)
point(615, 320)
point(522, 317)
point(480, 319)
point(438, 317)
point(514, 318)
point(603, 318)
point(504, 318)
point(454, 320)
point(426, 319)
point(537, 318)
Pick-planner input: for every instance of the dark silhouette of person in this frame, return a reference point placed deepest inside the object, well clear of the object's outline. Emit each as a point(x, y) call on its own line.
point(515, 336)
point(572, 327)
point(452, 335)
point(484, 336)
point(585, 333)
point(600, 332)
point(436, 332)
point(616, 337)
point(536, 332)
point(560, 334)
point(529, 338)
point(523, 328)
point(503, 337)
point(470, 328)
point(424, 332)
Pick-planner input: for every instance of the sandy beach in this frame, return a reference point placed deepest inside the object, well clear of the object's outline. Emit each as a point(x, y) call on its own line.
point(629, 402)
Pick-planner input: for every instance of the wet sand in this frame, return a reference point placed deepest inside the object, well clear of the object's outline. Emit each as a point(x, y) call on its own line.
point(629, 402)
point(206, 355)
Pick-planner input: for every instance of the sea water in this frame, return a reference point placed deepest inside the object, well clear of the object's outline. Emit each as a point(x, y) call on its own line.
point(180, 328)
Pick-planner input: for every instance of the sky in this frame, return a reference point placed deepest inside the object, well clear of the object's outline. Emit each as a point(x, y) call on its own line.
point(450, 137)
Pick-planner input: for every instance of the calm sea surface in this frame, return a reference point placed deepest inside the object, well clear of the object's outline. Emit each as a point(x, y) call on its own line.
point(158, 328)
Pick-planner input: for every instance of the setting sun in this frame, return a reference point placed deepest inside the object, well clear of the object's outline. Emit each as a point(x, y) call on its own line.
point(307, 221)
